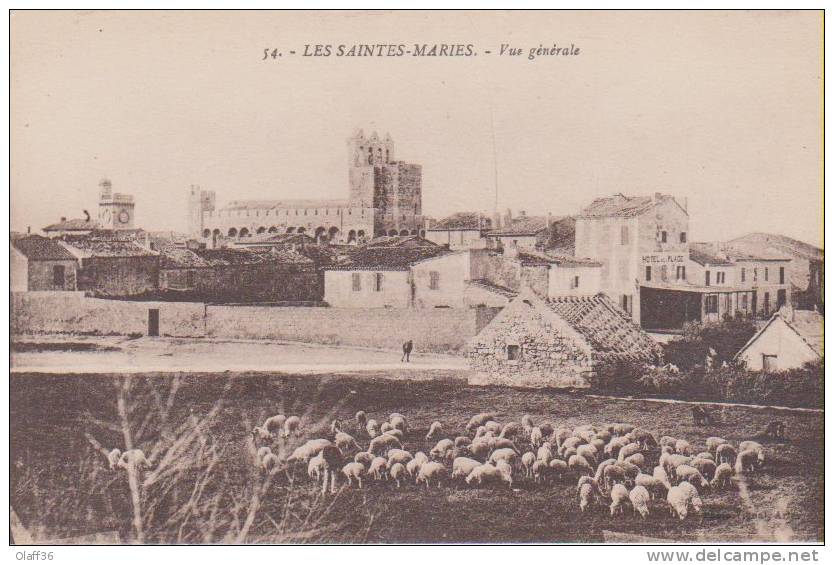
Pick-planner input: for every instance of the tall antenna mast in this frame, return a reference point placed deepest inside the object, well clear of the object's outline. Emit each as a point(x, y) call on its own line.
point(494, 155)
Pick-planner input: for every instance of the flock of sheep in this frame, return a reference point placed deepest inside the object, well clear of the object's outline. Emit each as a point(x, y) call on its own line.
point(610, 463)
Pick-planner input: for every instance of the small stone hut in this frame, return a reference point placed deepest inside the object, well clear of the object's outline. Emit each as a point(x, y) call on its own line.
point(557, 342)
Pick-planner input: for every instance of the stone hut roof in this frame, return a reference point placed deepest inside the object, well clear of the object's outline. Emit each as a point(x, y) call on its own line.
point(387, 258)
point(463, 221)
point(37, 248)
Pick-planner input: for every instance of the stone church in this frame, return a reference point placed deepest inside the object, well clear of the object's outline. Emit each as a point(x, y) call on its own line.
point(384, 198)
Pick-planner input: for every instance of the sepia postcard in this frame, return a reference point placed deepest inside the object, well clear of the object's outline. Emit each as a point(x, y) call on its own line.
point(417, 277)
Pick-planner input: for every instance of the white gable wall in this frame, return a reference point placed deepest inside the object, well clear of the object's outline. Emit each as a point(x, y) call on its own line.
point(778, 339)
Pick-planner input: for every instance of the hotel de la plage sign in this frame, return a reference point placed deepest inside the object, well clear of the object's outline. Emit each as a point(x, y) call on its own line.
point(663, 259)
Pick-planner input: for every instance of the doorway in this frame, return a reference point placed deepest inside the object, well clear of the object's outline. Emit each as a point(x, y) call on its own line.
point(153, 322)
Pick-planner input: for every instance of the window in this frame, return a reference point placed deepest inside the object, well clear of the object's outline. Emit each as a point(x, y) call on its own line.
point(377, 282)
point(706, 278)
point(58, 275)
point(683, 237)
point(434, 280)
point(189, 279)
point(767, 303)
point(357, 281)
point(575, 282)
point(648, 273)
point(680, 273)
point(625, 302)
point(781, 275)
point(513, 352)
point(719, 277)
point(744, 302)
point(663, 237)
point(743, 274)
point(769, 363)
point(624, 235)
point(755, 275)
point(766, 273)
point(664, 273)
point(711, 304)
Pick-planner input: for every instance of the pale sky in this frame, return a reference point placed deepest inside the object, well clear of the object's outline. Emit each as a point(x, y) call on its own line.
point(722, 108)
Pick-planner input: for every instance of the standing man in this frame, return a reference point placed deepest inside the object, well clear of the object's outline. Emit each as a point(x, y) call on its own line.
point(407, 347)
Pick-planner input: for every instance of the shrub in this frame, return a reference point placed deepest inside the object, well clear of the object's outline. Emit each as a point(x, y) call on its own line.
point(726, 338)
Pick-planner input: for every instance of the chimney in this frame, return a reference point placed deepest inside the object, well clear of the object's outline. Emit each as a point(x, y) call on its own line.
point(522, 213)
point(63, 218)
point(28, 229)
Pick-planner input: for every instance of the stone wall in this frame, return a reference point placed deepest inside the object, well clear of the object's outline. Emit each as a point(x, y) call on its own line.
point(443, 330)
point(548, 355)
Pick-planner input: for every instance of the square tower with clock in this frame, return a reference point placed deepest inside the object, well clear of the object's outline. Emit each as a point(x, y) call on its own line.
point(115, 210)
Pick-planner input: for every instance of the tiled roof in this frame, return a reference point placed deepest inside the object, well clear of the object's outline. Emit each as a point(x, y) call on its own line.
point(276, 238)
point(605, 326)
point(780, 243)
point(108, 248)
point(463, 221)
point(741, 254)
point(498, 289)
point(553, 258)
point(702, 253)
point(387, 258)
point(240, 205)
point(524, 225)
point(172, 257)
point(37, 248)
point(78, 224)
point(226, 257)
point(561, 237)
point(620, 205)
point(400, 241)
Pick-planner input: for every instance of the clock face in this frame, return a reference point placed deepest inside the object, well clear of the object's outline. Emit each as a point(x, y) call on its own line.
point(124, 217)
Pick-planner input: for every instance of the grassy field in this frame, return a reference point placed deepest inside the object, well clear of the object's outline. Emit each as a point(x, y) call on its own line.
point(206, 489)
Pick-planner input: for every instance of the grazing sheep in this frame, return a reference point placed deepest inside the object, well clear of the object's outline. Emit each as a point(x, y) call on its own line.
point(333, 461)
point(544, 453)
point(536, 437)
point(527, 423)
point(723, 476)
point(372, 427)
point(660, 474)
point(345, 442)
point(115, 454)
point(527, 461)
point(621, 429)
point(353, 471)
point(627, 451)
point(493, 426)
point(481, 447)
point(510, 430)
point(261, 453)
point(668, 441)
point(271, 463)
point(315, 467)
point(612, 475)
point(539, 469)
point(395, 433)
point(598, 444)
point(481, 432)
point(441, 449)
point(603, 435)
point(261, 434)
point(413, 466)
point(636, 459)
point(361, 419)
point(726, 453)
point(589, 452)
point(292, 425)
point(399, 456)
point(631, 471)
point(274, 424)
point(619, 497)
point(639, 497)
point(656, 487)
point(579, 465)
point(381, 444)
point(558, 468)
point(335, 427)
point(587, 496)
point(692, 476)
point(397, 472)
point(713, 443)
point(546, 428)
point(694, 499)
point(398, 422)
point(614, 446)
point(485, 473)
point(395, 415)
point(386, 427)
point(310, 449)
point(671, 462)
point(746, 461)
point(755, 446)
point(705, 466)
point(571, 443)
point(133, 459)
point(705, 455)
point(682, 446)
point(643, 438)
point(431, 471)
point(504, 443)
point(678, 500)
point(601, 467)
point(462, 441)
point(462, 466)
point(506, 471)
point(505, 454)
point(378, 468)
point(435, 430)
point(559, 436)
point(364, 457)
point(479, 420)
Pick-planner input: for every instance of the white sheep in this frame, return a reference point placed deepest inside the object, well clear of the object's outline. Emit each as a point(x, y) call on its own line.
point(378, 468)
point(558, 468)
point(656, 487)
point(612, 449)
point(683, 447)
point(442, 449)
point(506, 471)
point(434, 430)
point(601, 468)
point(386, 427)
point(261, 434)
point(527, 461)
point(315, 467)
point(510, 430)
point(479, 420)
point(754, 446)
point(485, 473)
point(292, 425)
point(133, 459)
point(527, 423)
point(397, 472)
point(536, 437)
point(345, 442)
point(540, 467)
point(586, 496)
point(261, 453)
point(589, 452)
point(275, 424)
point(462, 466)
point(627, 451)
point(678, 500)
point(694, 498)
point(493, 426)
point(309, 449)
point(361, 419)
point(431, 471)
point(395, 433)
point(619, 497)
point(505, 454)
point(399, 456)
point(462, 441)
point(705, 466)
point(713, 443)
point(705, 455)
point(726, 453)
point(364, 457)
point(746, 461)
point(413, 466)
point(639, 497)
point(636, 459)
point(398, 422)
point(723, 476)
point(481, 447)
point(113, 457)
point(271, 463)
point(382, 443)
point(559, 435)
point(660, 474)
point(544, 453)
point(372, 428)
point(580, 465)
point(353, 471)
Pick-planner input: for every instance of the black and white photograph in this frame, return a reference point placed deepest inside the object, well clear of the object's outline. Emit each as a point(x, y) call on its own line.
point(416, 277)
